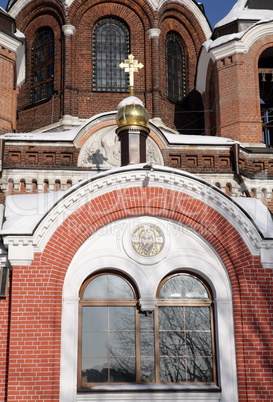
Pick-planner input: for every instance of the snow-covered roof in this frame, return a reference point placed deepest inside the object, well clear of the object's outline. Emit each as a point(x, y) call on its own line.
point(70, 135)
point(196, 139)
point(242, 11)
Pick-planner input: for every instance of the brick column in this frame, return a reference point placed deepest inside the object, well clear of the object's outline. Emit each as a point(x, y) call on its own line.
point(239, 100)
point(68, 31)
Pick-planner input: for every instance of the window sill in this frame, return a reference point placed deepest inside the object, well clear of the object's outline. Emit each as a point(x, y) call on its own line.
point(142, 393)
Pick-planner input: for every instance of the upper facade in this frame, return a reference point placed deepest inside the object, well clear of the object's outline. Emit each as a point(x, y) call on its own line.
point(73, 52)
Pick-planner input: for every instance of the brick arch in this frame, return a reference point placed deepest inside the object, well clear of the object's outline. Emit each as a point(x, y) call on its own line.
point(185, 17)
point(34, 10)
point(139, 201)
point(79, 8)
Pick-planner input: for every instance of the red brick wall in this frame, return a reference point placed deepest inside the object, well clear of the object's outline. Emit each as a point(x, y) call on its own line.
point(37, 292)
point(7, 91)
point(239, 115)
point(73, 67)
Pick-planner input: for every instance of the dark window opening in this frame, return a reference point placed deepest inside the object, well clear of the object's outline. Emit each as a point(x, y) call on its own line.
point(176, 68)
point(43, 65)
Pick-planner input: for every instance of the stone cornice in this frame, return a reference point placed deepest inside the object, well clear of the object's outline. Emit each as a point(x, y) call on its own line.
point(137, 176)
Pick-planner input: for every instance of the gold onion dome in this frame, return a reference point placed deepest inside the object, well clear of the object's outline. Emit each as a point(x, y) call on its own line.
point(132, 114)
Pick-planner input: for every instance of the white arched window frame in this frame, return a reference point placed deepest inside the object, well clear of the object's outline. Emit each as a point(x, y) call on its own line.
point(210, 270)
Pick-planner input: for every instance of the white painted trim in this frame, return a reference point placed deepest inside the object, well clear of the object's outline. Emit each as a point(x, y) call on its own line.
point(135, 176)
point(68, 30)
point(202, 261)
point(9, 42)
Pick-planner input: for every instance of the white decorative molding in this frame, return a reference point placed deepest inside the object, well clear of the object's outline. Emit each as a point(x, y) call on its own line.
point(68, 30)
point(20, 251)
point(9, 42)
point(137, 176)
point(154, 33)
point(189, 251)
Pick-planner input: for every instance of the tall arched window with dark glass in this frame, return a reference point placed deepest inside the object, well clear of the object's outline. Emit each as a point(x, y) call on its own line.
point(43, 64)
point(176, 68)
point(110, 48)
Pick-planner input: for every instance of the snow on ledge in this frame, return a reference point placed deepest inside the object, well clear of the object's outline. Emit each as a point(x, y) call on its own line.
point(197, 139)
point(258, 213)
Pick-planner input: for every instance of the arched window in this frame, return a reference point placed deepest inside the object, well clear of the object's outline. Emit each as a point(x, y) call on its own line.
point(176, 68)
point(110, 48)
point(43, 64)
point(121, 344)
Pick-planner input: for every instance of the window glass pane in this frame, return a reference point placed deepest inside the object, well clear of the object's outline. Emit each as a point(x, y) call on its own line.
point(183, 287)
point(122, 318)
point(172, 370)
point(147, 369)
point(147, 344)
point(94, 318)
point(171, 318)
point(95, 344)
point(146, 321)
point(200, 370)
point(198, 343)
point(108, 287)
point(94, 370)
point(122, 343)
point(197, 318)
point(172, 343)
point(123, 369)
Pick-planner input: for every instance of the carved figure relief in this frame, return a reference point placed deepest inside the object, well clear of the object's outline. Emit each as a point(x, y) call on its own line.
point(102, 150)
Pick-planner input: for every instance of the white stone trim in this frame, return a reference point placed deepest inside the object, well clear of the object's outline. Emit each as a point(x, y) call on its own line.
point(68, 30)
point(154, 33)
point(9, 42)
point(127, 177)
point(202, 261)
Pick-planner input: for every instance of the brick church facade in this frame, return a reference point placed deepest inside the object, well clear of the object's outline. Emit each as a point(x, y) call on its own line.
point(136, 246)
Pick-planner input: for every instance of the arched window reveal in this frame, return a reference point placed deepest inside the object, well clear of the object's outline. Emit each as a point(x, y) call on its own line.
point(121, 344)
point(110, 48)
point(176, 68)
point(43, 64)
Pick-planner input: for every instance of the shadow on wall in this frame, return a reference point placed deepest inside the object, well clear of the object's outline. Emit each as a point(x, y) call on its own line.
point(189, 115)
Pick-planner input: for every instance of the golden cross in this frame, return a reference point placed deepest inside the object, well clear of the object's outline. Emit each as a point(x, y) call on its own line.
point(131, 66)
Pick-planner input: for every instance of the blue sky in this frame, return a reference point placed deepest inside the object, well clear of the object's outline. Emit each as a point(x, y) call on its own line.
point(215, 9)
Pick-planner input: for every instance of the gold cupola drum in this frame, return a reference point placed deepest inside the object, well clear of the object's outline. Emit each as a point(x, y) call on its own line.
point(132, 121)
